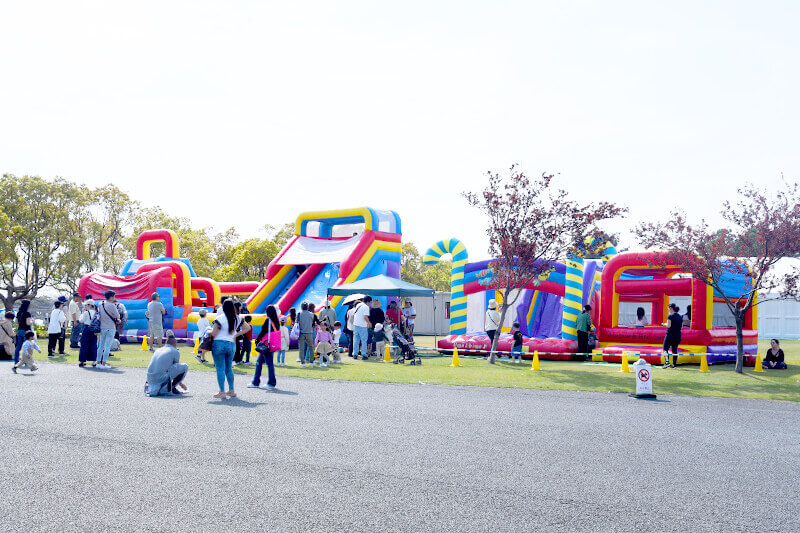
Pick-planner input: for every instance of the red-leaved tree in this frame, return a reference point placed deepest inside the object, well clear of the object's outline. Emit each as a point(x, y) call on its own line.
point(531, 225)
point(761, 229)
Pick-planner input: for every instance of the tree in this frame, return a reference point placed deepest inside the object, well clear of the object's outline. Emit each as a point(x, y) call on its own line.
point(42, 234)
point(760, 230)
point(413, 270)
point(248, 260)
point(531, 226)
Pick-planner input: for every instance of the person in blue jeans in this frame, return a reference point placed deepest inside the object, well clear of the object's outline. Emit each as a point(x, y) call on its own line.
point(225, 331)
point(24, 324)
point(361, 327)
point(109, 317)
point(271, 325)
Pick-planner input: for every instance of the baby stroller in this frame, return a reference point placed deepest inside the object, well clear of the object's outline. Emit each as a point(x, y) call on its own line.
point(405, 350)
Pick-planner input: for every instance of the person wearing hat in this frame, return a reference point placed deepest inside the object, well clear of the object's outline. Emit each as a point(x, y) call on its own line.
point(166, 373)
point(492, 321)
point(328, 314)
point(88, 350)
point(74, 311)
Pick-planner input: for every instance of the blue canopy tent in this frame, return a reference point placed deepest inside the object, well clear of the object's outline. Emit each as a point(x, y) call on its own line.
point(383, 285)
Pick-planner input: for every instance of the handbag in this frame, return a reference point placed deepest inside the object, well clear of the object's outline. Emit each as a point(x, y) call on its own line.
point(273, 339)
point(205, 343)
point(294, 334)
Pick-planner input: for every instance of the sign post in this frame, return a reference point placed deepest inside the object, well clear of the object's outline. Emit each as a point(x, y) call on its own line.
point(644, 380)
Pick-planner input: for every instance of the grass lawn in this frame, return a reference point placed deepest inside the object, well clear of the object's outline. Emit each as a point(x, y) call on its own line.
point(564, 375)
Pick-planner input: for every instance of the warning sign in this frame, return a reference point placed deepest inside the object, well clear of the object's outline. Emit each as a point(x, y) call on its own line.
point(644, 383)
point(644, 374)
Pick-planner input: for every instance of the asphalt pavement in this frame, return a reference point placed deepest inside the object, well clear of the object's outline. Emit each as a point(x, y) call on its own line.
point(86, 450)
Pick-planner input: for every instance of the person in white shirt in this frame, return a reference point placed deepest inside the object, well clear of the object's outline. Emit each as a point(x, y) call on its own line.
point(155, 321)
point(361, 327)
point(492, 321)
point(74, 315)
point(410, 315)
point(337, 334)
point(202, 324)
point(58, 321)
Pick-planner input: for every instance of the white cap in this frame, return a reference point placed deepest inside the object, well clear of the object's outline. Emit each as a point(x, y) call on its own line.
point(378, 326)
point(492, 304)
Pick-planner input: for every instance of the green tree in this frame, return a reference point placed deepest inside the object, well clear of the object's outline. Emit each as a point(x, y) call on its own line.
point(248, 260)
point(413, 270)
point(43, 233)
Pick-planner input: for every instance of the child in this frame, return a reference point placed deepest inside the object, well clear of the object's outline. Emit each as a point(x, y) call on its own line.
point(284, 343)
point(27, 352)
point(200, 353)
point(324, 343)
point(516, 350)
point(337, 334)
point(247, 342)
point(380, 338)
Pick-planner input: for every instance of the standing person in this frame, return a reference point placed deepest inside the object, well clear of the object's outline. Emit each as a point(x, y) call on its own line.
point(672, 339)
point(225, 330)
point(202, 324)
point(246, 345)
point(361, 327)
point(305, 342)
point(270, 324)
point(376, 316)
point(88, 351)
point(74, 312)
point(284, 343)
point(410, 315)
point(155, 321)
point(8, 336)
point(392, 313)
point(123, 321)
point(27, 352)
point(24, 324)
point(687, 318)
point(337, 336)
point(774, 357)
point(348, 327)
point(324, 344)
point(492, 321)
point(109, 318)
point(58, 320)
point(380, 338)
point(237, 355)
point(516, 349)
point(584, 325)
point(327, 315)
point(165, 373)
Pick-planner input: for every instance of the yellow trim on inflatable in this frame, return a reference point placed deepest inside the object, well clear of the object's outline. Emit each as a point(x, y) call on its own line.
point(362, 263)
point(335, 213)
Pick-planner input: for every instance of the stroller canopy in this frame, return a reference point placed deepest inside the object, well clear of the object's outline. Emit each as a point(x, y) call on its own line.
point(381, 286)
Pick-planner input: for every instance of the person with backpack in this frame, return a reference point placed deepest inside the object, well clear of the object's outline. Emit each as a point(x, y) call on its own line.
point(90, 322)
point(109, 318)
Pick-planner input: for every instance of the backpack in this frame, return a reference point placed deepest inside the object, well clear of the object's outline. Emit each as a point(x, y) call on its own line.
point(94, 325)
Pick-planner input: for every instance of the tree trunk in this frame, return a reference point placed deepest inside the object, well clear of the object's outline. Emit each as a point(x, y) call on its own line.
point(8, 302)
point(739, 341)
point(492, 355)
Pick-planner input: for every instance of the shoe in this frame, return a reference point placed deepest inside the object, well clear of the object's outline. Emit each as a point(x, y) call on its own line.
point(14, 369)
point(107, 366)
point(364, 358)
point(81, 365)
point(267, 387)
point(200, 359)
point(298, 360)
point(61, 354)
point(94, 365)
point(220, 395)
point(234, 364)
point(323, 364)
point(50, 355)
point(666, 365)
point(252, 386)
point(231, 394)
point(302, 365)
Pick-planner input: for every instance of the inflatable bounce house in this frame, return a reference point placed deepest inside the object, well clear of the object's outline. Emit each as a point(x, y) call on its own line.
point(329, 248)
point(547, 311)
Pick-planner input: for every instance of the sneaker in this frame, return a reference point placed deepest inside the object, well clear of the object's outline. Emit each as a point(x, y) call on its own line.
point(234, 363)
point(81, 365)
point(14, 369)
point(323, 364)
point(666, 365)
point(267, 386)
point(94, 365)
point(50, 355)
point(252, 386)
point(302, 365)
point(199, 359)
point(231, 394)
point(220, 395)
point(298, 360)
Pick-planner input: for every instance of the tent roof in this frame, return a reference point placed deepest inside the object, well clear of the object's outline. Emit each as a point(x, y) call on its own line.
point(380, 286)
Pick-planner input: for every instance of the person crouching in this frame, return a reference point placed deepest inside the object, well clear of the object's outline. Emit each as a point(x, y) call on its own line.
point(166, 372)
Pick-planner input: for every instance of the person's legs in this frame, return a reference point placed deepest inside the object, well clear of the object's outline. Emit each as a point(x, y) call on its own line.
point(75, 335)
point(259, 364)
point(271, 381)
point(282, 357)
point(583, 342)
point(780, 366)
point(380, 347)
point(247, 347)
point(360, 342)
point(106, 337)
point(61, 338)
point(301, 349)
point(516, 353)
point(52, 338)
point(218, 354)
point(177, 379)
point(229, 366)
point(18, 347)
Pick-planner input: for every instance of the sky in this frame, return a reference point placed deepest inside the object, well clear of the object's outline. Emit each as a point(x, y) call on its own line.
point(240, 114)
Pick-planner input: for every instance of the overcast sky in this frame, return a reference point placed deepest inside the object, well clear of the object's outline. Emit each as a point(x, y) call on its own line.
point(245, 113)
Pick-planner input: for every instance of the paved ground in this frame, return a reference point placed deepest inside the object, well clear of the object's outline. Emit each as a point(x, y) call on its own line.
point(86, 450)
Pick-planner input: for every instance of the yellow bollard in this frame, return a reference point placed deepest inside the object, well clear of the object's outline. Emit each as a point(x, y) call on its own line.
point(196, 345)
point(253, 351)
point(455, 362)
point(704, 363)
point(387, 354)
point(758, 367)
point(144, 343)
point(625, 368)
point(535, 361)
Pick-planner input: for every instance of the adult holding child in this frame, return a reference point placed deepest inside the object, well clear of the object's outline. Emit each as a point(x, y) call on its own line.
point(24, 324)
